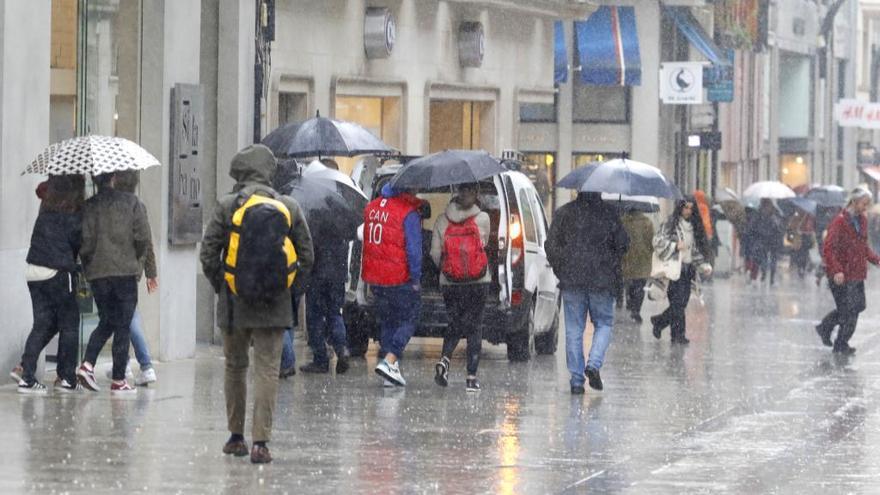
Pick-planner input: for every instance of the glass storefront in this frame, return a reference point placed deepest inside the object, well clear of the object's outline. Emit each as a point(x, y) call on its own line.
point(379, 115)
point(794, 170)
point(540, 167)
point(457, 124)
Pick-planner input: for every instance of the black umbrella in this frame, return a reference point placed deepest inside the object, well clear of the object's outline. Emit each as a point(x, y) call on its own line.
point(447, 168)
point(805, 205)
point(329, 207)
point(621, 176)
point(321, 136)
point(828, 196)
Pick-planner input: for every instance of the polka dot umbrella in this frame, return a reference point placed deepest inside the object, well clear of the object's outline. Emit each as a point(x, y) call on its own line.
point(93, 155)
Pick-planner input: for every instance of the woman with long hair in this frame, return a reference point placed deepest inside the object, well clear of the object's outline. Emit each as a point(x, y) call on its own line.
point(51, 279)
point(681, 236)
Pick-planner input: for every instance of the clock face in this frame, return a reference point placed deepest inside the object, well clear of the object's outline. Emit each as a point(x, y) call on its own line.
point(390, 32)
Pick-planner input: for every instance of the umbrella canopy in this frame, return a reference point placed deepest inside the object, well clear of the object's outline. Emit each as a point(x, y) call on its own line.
point(768, 189)
point(621, 176)
point(647, 204)
point(805, 205)
point(93, 155)
point(330, 207)
point(320, 136)
point(447, 168)
point(828, 196)
point(727, 194)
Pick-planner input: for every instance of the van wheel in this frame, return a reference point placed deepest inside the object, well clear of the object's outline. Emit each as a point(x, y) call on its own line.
point(520, 345)
point(546, 343)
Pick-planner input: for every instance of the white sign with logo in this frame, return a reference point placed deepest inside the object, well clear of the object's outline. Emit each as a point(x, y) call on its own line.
point(855, 113)
point(681, 83)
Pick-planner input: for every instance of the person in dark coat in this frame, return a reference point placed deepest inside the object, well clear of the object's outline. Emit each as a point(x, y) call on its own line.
point(584, 247)
point(680, 236)
point(51, 280)
point(637, 260)
point(768, 235)
point(246, 324)
point(846, 254)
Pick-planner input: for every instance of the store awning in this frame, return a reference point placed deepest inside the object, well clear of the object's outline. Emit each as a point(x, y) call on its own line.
point(691, 29)
point(560, 54)
point(608, 47)
point(872, 171)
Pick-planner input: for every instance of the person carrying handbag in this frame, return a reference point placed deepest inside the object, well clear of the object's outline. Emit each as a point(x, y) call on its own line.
point(680, 248)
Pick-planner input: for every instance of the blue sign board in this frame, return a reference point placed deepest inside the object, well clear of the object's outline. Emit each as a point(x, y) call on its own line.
point(718, 81)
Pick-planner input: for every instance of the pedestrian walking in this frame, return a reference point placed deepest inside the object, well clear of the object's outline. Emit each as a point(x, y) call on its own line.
point(256, 249)
point(325, 296)
point(116, 237)
point(680, 238)
point(768, 237)
point(458, 248)
point(584, 247)
point(392, 265)
point(637, 260)
point(801, 234)
point(846, 254)
point(51, 279)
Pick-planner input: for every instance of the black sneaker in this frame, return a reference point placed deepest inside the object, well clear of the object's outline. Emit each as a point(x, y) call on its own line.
point(655, 328)
point(681, 341)
point(315, 368)
point(441, 373)
point(844, 349)
point(825, 335)
point(577, 390)
point(472, 385)
point(635, 316)
point(341, 364)
point(34, 387)
point(594, 378)
point(287, 372)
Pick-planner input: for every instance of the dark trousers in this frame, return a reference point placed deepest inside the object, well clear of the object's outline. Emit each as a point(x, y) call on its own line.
point(116, 299)
point(55, 312)
point(849, 300)
point(679, 293)
point(464, 305)
point(324, 300)
point(635, 294)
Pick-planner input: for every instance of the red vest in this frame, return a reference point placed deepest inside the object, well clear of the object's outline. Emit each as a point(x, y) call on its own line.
point(384, 258)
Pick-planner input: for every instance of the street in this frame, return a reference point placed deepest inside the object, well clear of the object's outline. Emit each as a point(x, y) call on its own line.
point(755, 404)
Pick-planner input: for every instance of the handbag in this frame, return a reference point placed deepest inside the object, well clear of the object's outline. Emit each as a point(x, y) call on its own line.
point(668, 269)
point(655, 289)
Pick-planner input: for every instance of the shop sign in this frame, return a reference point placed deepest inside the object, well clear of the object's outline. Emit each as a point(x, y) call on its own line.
point(855, 113)
point(471, 44)
point(681, 83)
point(185, 191)
point(380, 32)
point(718, 80)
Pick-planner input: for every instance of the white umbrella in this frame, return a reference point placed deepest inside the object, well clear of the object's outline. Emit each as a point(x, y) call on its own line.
point(93, 155)
point(769, 189)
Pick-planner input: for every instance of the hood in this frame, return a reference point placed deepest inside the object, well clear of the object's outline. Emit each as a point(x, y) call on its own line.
point(254, 165)
point(389, 191)
point(456, 214)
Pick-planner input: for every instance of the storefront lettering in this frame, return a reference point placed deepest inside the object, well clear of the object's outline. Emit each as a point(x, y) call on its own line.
point(855, 113)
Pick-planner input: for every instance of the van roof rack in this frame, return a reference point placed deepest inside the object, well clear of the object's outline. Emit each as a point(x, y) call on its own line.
point(513, 159)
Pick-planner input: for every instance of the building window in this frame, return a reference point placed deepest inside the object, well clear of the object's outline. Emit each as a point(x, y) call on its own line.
point(537, 112)
point(540, 167)
point(460, 124)
point(379, 115)
point(601, 104)
point(292, 107)
point(583, 159)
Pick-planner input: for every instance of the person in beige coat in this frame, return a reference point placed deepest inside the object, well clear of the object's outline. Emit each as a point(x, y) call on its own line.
point(636, 264)
point(458, 248)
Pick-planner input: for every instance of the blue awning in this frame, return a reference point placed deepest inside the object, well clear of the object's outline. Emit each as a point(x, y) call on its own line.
point(608, 47)
point(690, 27)
point(560, 56)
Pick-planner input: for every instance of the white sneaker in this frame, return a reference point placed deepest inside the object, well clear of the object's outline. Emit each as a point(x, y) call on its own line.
point(33, 388)
point(390, 372)
point(146, 376)
point(62, 386)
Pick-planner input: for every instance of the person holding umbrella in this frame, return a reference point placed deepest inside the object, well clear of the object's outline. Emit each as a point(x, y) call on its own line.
point(846, 254)
point(680, 237)
point(637, 260)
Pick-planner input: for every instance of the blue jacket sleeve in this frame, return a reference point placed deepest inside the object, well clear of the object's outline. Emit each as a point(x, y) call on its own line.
point(412, 228)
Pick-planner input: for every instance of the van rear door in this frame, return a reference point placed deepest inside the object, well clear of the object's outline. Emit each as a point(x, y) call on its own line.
point(547, 300)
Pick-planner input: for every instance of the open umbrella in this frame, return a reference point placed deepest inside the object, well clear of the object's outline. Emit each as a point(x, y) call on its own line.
point(646, 204)
point(320, 136)
point(330, 207)
point(447, 168)
point(768, 189)
point(621, 176)
point(805, 205)
point(93, 155)
point(828, 196)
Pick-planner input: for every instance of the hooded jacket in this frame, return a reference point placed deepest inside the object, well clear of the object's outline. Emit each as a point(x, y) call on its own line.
point(585, 245)
point(253, 169)
point(454, 213)
point(115, 235)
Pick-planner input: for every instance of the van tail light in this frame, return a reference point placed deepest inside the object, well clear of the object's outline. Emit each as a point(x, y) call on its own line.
point(516, 297)
point(516, 240)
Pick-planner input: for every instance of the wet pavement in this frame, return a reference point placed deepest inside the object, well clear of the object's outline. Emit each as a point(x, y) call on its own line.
point(754, 404)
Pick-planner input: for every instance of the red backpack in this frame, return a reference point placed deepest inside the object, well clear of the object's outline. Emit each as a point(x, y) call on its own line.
point(463, 258)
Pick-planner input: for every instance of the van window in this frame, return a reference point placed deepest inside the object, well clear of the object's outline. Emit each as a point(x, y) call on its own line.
point(541, 220)
point(528, 217)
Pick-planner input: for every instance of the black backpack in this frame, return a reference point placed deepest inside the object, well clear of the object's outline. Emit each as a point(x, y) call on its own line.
point(261, 260)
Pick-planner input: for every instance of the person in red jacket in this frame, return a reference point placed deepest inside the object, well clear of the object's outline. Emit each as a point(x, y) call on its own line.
point(392, 265)
point(846, 255)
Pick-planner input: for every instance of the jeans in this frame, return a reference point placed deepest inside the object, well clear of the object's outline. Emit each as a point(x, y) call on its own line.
point(267, 365)
point(324, 300)
point(116, 299)
point(288, 357)
point(465, 304)
point(139, 342)
point(600, 306)
point(635, 294)
point(679, 294)
point(849, 300)
point(55, 311)
point(397, 309)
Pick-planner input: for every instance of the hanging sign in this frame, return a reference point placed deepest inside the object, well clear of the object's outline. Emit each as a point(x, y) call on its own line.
point(855, 113)
point(681, 83)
